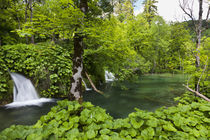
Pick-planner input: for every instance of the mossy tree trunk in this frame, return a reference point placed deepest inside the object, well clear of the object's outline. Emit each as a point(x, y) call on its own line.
point(76, 80)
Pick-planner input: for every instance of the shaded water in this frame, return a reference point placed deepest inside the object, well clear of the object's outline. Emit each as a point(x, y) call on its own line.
point(26, 115)
point(26, 107)
point(147, 93)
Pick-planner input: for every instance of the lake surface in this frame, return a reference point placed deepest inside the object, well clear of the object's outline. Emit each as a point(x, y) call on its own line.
point(147, 93)
point(27, 115)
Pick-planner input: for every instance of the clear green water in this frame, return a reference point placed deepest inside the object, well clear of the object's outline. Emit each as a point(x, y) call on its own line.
point(27, 115)
point(147, 93)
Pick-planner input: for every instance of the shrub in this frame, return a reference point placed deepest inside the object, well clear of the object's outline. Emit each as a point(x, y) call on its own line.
point(70, 120)
point(47, 65)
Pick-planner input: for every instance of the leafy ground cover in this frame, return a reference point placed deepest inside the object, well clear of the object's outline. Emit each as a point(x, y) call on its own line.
point(71, 120)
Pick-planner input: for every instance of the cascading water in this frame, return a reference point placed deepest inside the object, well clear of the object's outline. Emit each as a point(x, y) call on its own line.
point(109, 76)
point(23, 89)
point(24, 92)
point(86, 88)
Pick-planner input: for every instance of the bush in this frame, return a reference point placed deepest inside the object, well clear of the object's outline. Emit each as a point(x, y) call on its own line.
point(47, 65)
point(70, 120)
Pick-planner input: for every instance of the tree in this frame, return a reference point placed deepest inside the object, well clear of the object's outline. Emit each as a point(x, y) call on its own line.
point(108, 48)
point(124, 9)
point(178, 49)
point(150, 9)
point(76, 81)
point(187, 8)
point(11, 18)
point(69, 20)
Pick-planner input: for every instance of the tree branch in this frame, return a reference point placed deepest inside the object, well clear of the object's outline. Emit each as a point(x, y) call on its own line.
point(197, 93)
point(93, 86)
point(190, 13)
point(207, 15)
point(202, 73)
point(188, 81)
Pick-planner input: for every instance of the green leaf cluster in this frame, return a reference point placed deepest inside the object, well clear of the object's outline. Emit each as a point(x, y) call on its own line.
point(71, 120)
point(47, 65)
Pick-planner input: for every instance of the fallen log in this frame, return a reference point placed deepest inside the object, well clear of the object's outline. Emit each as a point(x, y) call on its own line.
point(197, 93)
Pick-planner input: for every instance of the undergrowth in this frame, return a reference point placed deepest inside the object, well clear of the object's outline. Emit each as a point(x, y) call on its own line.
point(73, 121)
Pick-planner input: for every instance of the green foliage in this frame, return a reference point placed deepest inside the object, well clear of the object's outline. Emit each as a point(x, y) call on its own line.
point(107, 48)
point(11, 16)
point(203, 72)
point(150, 9)
point(124, 10)
point(179, 51)
point(47, 65)
point(52, 17)
point(71, 120)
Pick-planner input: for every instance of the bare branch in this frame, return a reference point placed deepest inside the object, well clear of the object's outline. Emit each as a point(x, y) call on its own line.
point(202, 73)
point(185, 6)
point(188, 80)
point(198, 94)
point(185, 11)
point(207, 18)
point(207, 15)
point(192, 51)
point(93, 86)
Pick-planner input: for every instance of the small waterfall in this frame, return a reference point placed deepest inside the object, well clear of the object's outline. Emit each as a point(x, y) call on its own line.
point(86, 88)
point(109, 76)
point(24, 92)
point(23, 89)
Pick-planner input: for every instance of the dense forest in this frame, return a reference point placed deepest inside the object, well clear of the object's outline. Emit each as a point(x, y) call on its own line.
point(59, 43)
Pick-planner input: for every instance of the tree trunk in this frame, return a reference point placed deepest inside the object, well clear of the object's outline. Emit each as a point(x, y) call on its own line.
point(76, 80)
point(180, 62)
point(31, 18)
point(154, 66)
point(198, 43)
point(26, 16)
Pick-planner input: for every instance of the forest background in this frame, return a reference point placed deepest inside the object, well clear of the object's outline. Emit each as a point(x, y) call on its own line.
point(53, 41)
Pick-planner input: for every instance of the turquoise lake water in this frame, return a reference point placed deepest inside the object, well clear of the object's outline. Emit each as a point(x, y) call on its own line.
point(147, 93)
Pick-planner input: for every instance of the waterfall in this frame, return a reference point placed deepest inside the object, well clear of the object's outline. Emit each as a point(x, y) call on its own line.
point(23, 89)
point(24, 93)
point(86, 88)
point(109, 76)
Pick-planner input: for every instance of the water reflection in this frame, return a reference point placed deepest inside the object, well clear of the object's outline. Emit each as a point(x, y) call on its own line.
point(26, 115)
point(147, 93)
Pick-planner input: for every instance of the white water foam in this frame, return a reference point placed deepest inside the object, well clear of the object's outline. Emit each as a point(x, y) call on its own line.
point(109, 77)
point(23, 89)
point(36, 102)
point(24, 93)
point(86, 88)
